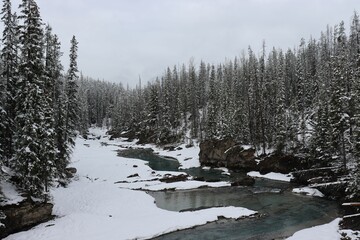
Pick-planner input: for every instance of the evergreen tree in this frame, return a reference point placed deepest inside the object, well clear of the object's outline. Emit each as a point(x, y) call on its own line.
point(9, 76)
point(32, 162)
point(339, 116)
point(71, 109)
point(55, 94)
point(213, 107)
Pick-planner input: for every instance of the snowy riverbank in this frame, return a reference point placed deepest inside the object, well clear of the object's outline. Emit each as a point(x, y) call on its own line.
point(101, 204)
point(94, 207)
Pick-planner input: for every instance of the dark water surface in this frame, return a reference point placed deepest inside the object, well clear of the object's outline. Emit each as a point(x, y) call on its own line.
point(282, 212)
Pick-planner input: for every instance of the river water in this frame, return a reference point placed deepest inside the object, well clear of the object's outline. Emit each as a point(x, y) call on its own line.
point(281, 212)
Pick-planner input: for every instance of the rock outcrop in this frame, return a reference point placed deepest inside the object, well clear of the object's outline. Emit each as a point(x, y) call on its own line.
point(226, 153)
point(24, 215)
point(279, 163)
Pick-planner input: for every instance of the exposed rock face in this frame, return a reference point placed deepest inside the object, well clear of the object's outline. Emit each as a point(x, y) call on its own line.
point(226, 153)
point(279, 163)
point(24, 215)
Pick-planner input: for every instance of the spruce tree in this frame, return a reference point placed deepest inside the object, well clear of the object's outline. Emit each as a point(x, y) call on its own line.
point(66, 134)
point(9, 75)
point(33, 162)
point(213, 107)
point(55, 94)
point(339, 116)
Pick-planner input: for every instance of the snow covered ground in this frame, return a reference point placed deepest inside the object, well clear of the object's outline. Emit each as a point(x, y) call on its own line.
point(101, 203)
point(96, 206)
point(272, 176)
point(328, 231)
point(308, 191)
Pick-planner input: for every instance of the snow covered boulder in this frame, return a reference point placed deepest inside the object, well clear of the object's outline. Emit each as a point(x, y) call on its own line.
point(212, 152)
point(226, 153)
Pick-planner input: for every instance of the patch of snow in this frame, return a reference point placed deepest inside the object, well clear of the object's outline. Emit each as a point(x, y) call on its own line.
point(10, 194)
point(223, 170)
point(352, 215)
point(308, 191)
point(184, 185)
point(260, 151)
point(246, 147)
point(326, 184)
point(328, 231)
point(272, 176)
point(351, 204)
point(7, 170)
point(206, 168)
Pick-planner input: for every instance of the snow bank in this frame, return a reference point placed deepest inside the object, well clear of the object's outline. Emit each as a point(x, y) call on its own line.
point(328, 231)
point(308, 191)
point(93, 207)
point(10, 195)
point(272, 176)
point(158, 186)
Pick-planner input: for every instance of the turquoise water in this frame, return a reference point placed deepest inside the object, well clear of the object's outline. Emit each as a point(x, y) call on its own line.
point(282, 212)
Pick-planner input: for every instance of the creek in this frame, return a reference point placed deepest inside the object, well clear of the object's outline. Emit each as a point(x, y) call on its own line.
point(281, 212)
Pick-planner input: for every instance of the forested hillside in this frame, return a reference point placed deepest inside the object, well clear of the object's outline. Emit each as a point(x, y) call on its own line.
point(38, 102)
point(301, 101)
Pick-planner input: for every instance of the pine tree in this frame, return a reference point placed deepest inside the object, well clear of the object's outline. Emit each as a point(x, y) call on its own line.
point(9, 76)
point(66, 136)
point(280, 116)
point(339, 116)
point(31, 160)
point(213, 107)
point(55, 94)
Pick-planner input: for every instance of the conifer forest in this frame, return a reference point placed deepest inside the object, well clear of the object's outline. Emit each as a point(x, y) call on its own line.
point(302, 101)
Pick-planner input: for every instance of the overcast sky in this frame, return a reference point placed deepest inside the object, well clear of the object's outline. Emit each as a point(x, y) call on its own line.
point(120, 40)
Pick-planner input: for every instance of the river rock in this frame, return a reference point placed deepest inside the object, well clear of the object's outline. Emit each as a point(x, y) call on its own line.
point(24, 215)
point(226, 153)
point(247, 181)
point(70, 172)
point(279, 163)
point(174, 178)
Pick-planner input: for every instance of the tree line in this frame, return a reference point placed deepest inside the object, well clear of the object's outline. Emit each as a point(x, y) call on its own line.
point(38, 106)
point(301, 101)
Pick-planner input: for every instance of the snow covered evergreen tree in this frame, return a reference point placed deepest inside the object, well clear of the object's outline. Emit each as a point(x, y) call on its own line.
point(68, 110)
point(55, 93)
point(213, 107)
point(9, 76)
point(33, 158)
point(339, 116)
